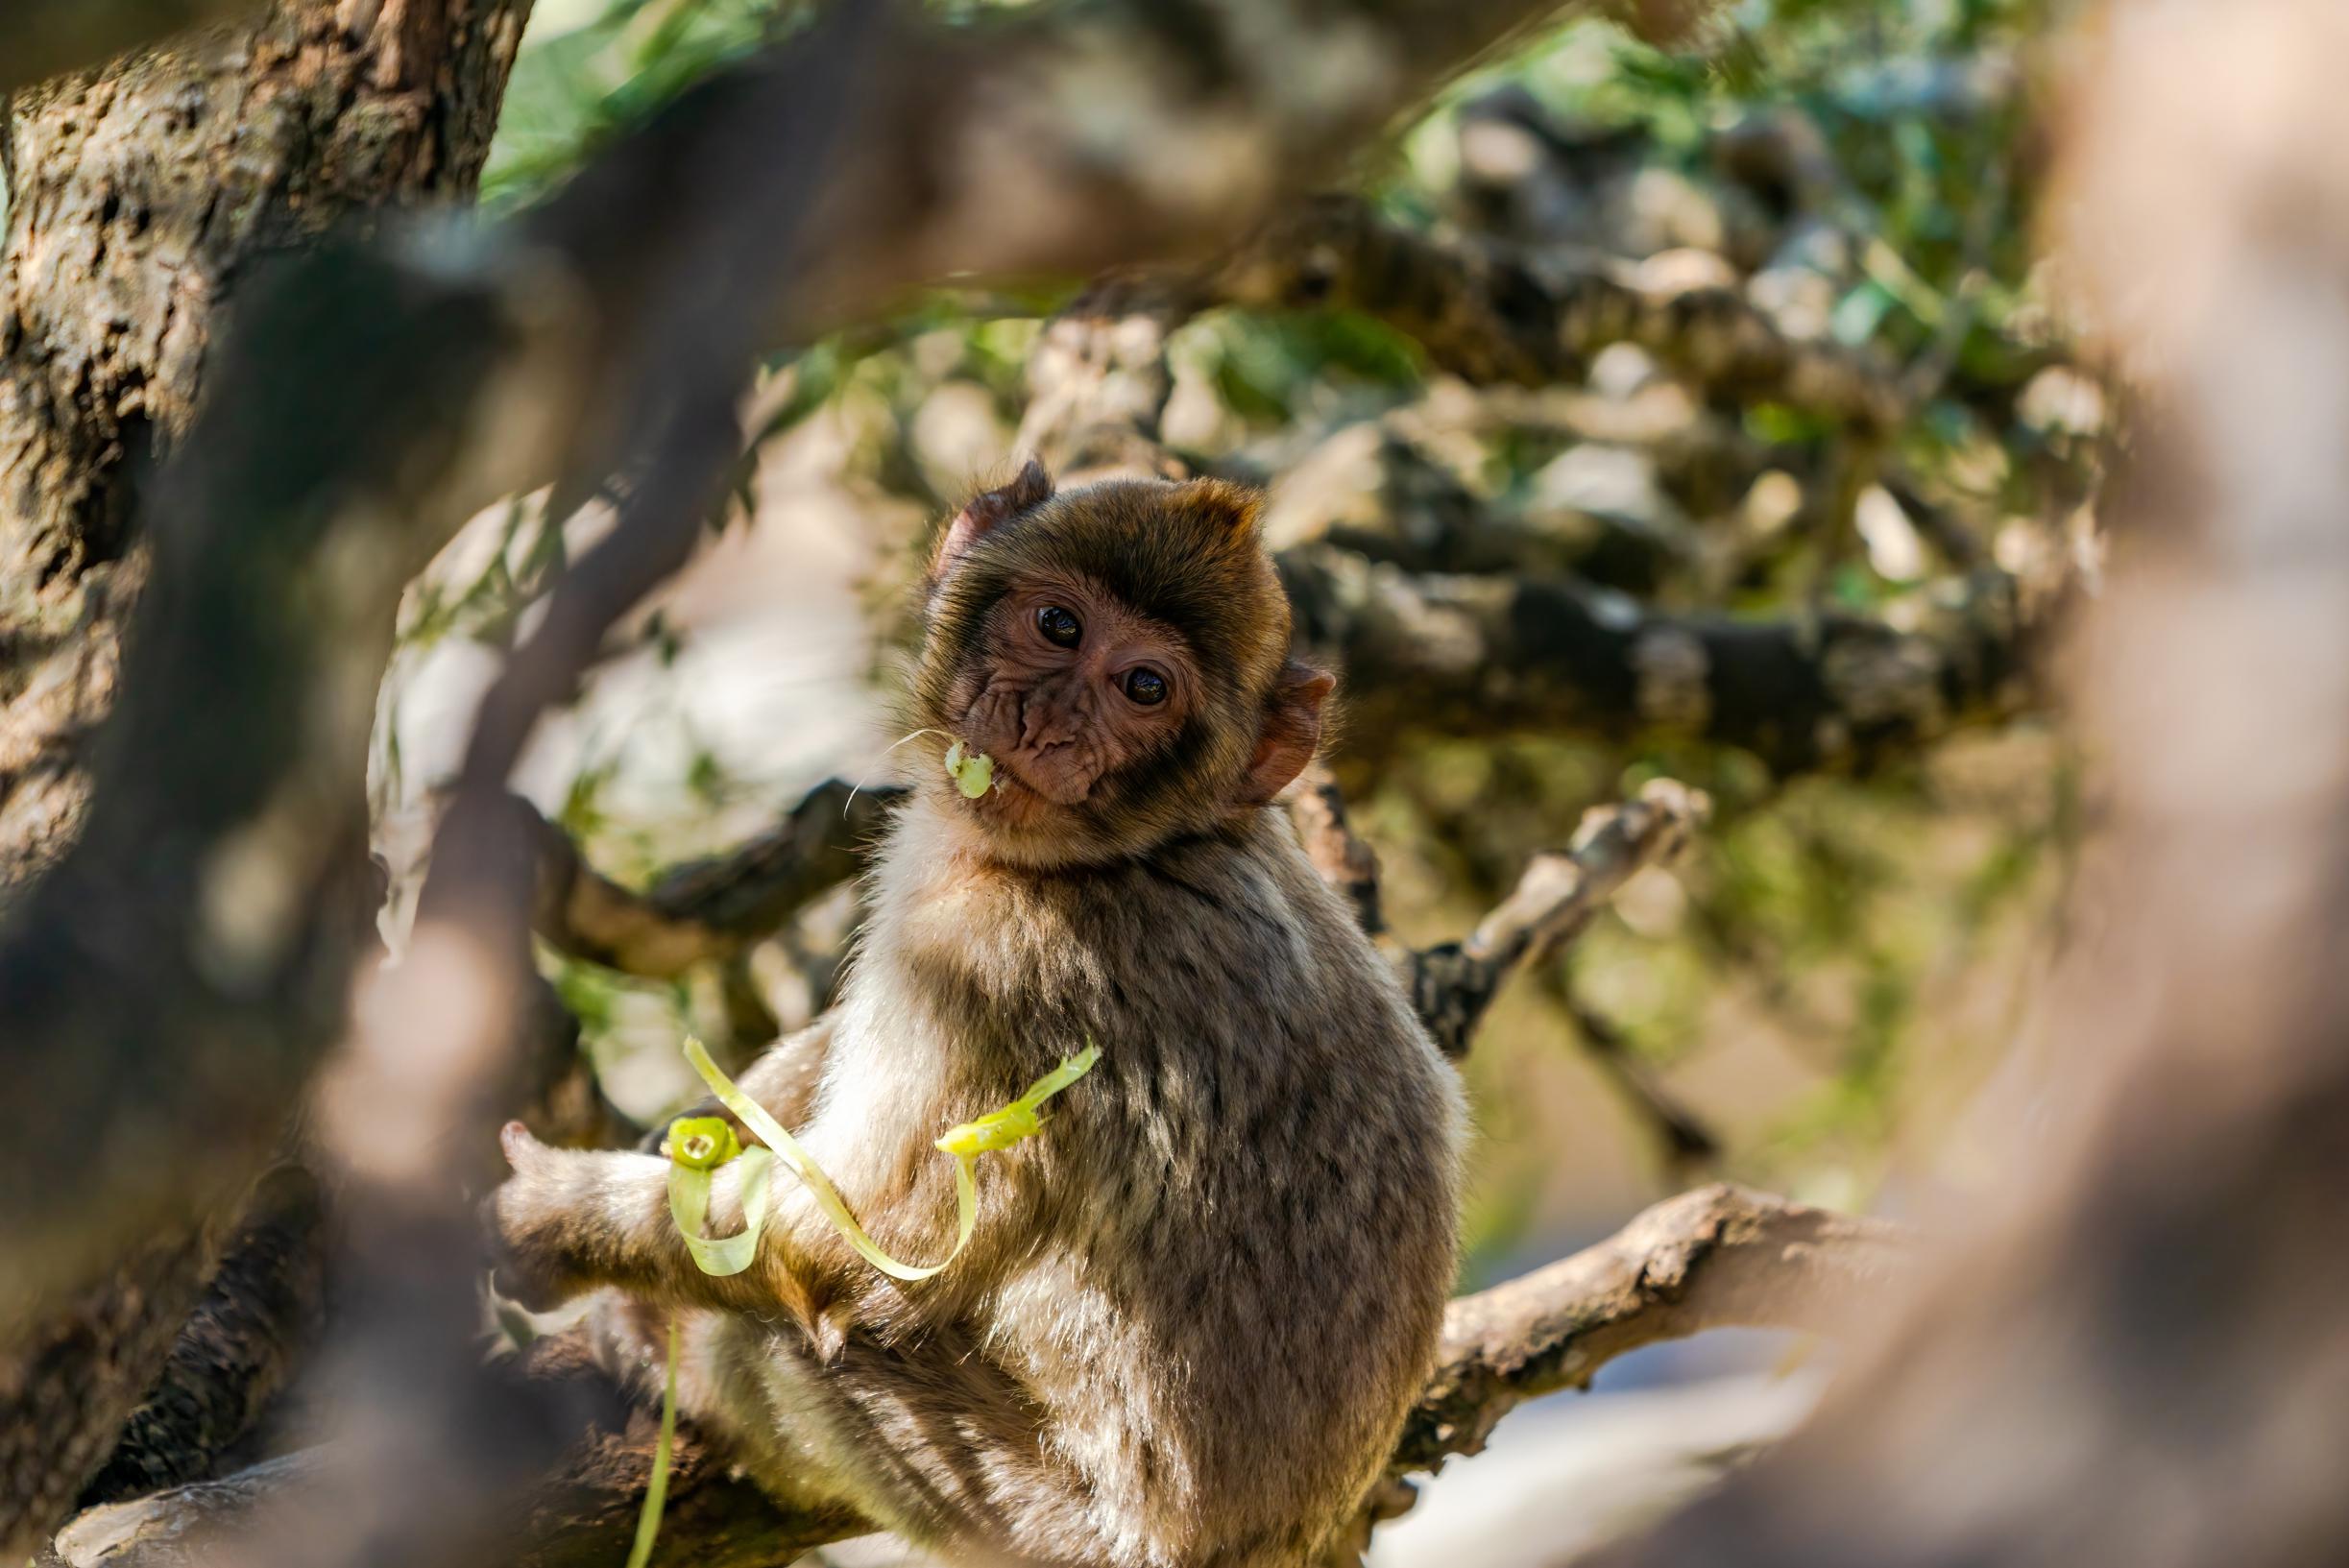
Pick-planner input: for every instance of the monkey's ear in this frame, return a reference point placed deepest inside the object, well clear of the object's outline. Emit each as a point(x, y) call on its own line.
point(1292, 732)
point(1032, 487)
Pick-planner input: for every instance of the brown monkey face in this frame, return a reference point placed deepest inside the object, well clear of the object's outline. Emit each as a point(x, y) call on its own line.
point(1120, 652)
point(1068, 687)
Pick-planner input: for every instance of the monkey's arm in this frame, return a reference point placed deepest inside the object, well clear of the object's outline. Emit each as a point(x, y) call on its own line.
point(569, 1220)
point(784, 1080)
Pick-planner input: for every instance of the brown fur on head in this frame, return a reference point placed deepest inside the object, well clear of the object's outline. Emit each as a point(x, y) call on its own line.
point(1121, 652)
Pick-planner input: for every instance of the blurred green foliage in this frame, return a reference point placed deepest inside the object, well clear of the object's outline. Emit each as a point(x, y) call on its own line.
point(589, 68)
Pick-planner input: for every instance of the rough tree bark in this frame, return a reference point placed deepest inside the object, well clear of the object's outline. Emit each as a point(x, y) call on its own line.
point(139, 194)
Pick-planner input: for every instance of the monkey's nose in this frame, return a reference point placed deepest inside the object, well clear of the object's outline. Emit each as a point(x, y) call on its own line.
point(1046, 726)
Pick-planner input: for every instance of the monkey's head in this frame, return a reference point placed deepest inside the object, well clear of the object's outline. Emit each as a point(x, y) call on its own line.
point(1121, 651)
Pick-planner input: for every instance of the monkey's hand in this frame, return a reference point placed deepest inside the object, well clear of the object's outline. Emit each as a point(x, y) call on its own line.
point(656, 1137)
point(542, 1224)
point(573, 1220)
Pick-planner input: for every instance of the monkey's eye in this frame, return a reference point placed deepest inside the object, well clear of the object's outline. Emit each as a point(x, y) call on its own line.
point(1059, 627)
point(1146, 686)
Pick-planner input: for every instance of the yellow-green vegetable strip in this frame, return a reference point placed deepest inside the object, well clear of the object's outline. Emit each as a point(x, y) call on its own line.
point(1000, 1129)
point(688, 1204)
point(996, 1130)
point(656, 1489)
point(974, 776)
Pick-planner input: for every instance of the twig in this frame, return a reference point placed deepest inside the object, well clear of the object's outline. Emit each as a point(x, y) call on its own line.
point(1337, 853)
point(1558, 892)
point(1718, 1257)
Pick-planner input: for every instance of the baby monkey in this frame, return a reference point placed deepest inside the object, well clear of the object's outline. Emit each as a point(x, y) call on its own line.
point(1198, 1307)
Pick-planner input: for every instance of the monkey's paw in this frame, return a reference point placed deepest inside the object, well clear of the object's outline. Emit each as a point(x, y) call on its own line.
point(535, 1226)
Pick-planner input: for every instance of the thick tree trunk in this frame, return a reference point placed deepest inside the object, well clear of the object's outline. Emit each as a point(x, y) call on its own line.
point(138, 195)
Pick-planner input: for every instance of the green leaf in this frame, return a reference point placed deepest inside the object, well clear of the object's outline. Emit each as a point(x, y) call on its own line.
point(1858, 314)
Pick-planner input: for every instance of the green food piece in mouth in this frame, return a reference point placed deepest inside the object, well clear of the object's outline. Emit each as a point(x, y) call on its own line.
point(974, 776)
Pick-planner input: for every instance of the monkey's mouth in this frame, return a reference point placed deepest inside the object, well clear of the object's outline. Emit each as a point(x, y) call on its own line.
point(1017, 796)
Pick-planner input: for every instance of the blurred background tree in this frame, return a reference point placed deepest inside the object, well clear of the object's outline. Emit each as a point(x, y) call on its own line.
point(1809, 999)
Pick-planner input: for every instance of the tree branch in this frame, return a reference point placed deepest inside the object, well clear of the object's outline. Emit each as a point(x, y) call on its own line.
point(706, 910)
point(1717, 1257)
point(1452, 985)
point(1488, 314)
point(1488, 655)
